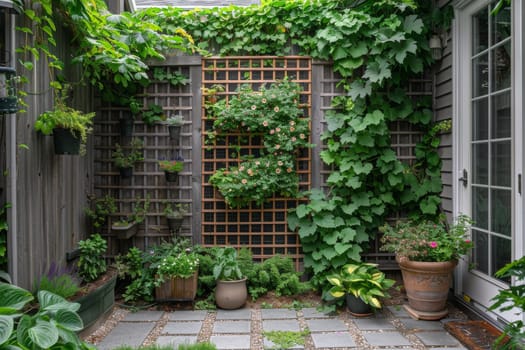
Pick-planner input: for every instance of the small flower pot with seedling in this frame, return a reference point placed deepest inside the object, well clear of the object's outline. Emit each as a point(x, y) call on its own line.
point(124, 161)
point(175, 216)
point(175, 123)
point(171, 169)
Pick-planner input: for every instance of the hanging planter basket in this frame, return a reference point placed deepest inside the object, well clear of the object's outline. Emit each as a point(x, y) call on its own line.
point(172, 177)
point(174, 131)
point(126, 126)
point(125, 231)
point(126, 173)
point(174, 224)
point(8, 94)
point(66, 142)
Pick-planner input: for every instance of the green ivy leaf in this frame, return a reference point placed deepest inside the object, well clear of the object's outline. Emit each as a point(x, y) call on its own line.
point(353, 182)
point(413, 24)
point(347, 234)
point(307, 230)
point(378, 70)
point(301, 211)
point(328, 221)
point(429, 205)
point(405, 47)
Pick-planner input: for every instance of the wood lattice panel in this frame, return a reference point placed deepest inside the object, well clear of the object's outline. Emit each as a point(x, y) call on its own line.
point(264, 229)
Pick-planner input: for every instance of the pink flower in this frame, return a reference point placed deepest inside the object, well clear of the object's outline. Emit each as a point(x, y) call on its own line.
point(289, 170)
point(292, 129)
point(277, 129)
point(302, 136)
point(279, 163)
point(263, 100)
point(278, 170)
point(272, 132)
point(241, 168)
point(276, 109)
point(467, 241)
point(265, 123)
point(433, 244)
point(244, 181)
point(257, 162)
point(293, 139)
point(292, 123)
point(277, 146)
point(254, 107)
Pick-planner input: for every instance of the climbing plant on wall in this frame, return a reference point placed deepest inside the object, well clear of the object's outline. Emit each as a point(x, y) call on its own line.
point(376, 46)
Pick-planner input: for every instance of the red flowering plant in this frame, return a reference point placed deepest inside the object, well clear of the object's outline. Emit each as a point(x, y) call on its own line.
point(427, 240)
point(275, 115)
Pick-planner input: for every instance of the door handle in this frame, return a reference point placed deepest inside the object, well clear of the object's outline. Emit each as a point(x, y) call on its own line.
point(464, 178)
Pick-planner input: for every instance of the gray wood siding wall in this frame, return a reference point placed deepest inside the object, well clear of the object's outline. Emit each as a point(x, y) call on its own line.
point(51, 190)
point(443, 111)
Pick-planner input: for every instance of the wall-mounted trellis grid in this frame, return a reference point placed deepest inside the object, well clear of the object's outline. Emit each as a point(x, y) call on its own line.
point(263, 229)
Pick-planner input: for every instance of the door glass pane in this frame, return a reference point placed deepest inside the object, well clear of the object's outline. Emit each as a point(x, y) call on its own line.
point(501, 25)
point(500, 58)
point(480, 207)
point(480, 119)
point(480, 252)
point(500, 158)
point(501, 212)
point(501, 116)
point(480, 75)
point(501, 253)
point(480, 164)
point(480, 31)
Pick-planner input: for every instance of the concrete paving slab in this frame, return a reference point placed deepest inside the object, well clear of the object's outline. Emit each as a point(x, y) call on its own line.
point(386, 339)
point(179, 327)
point(410, 323)
point(126, 333)
point(143, 316)
point(333, 340)
point(326, 325)
point(398, 311)
point(240, 314)
point(281, 325)
point(278, 314)
point(232, 327)
point(311, 312)
point(437, 339)
point(231, 342)
point(176, 340)
point(187, 315)
point(373, 324)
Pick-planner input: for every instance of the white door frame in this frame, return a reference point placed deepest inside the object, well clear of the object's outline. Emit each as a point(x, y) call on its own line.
point(462, 78)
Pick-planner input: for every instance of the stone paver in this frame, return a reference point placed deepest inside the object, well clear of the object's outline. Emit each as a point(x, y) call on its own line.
point(326, 325)
point(398, 311)
point(232, 327)
point(231, 341)
point(386, 339)
point(281, 325)
point(197, 315)
point(373, 324)
point(143, 316)
point(313, 313)
point(176, 340)
point(190, 327)
point(410, 323)
point(241, 314)
point(126, 333)
point(333, 340)
point(437, 338)
point(278, 314)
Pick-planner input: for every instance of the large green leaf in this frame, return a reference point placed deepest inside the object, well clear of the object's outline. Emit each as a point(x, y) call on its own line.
point(69, 320)
point(52, 302)
point(305, 231)
point(377, 71)
point(328, 221)
point(413, 24)
point(13, 297)
point(44, 334)
point(341, 248)
point(6, 328)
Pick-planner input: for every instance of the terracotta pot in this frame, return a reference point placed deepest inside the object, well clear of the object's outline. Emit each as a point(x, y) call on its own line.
point(427, 285)
point(231, 294)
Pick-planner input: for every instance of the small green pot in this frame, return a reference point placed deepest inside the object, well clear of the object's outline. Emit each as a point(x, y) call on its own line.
point(66, 142)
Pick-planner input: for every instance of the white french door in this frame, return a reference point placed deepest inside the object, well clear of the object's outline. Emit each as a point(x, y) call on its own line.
point(489, 144)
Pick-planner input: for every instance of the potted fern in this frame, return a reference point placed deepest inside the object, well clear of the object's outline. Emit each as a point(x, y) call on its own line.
point(68, 126)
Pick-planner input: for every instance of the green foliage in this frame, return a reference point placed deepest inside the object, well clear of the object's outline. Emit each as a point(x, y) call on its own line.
point(92, 264)
point(3, 237)
point(226, 265)
point(428, 240)
point(171, 166)
point(181, 264)
point(102, 208)
point(127, 159)
point(130, 265)
point(175, 120)
point(363, 280)
point(153, 114)
point(174, 78)
point(286, 339)
point(52, 326)
point(511, 298)
point(178, 212)
point(274, 114)
point(196, 346)
point(59, 281)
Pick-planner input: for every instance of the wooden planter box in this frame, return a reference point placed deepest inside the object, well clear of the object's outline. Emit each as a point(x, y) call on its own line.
point(97, 303)
point(178, 289)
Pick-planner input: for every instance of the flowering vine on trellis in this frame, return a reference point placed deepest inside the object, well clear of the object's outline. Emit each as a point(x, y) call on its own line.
point(275, 115)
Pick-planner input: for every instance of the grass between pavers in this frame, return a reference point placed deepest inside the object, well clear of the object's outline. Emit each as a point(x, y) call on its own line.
point(196, 346)
point(286, 339)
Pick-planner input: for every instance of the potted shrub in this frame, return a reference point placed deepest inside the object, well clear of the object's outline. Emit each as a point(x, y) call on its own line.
point(175, 123)
point(69, 126)
point(177, 275)
point(99, 281)
point(127, 226)
point(171, 169)
point(230, 292)
point(362, 284)
point(125, 160)
point(427, 253)
point(175, 216)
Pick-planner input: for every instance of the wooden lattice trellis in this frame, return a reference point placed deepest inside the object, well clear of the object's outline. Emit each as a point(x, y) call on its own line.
point(263, 229)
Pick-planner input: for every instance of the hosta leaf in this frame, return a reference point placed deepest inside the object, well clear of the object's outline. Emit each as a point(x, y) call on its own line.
point(13, 297)
point(6, 328)
point(44, 334)
point(374, 302)
point(69, 320)
point(334, 280)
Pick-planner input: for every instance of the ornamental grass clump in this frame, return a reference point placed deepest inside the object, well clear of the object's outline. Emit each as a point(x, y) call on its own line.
point(275, 115)
point(427, 240)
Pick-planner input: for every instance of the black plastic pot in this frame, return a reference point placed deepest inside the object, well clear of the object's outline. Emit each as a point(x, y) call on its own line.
point(174, 132)
point(357, 306)
point(174, 224)
point(66, 141)
point(126, 173)
point(126, 126)
point(172, 177)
